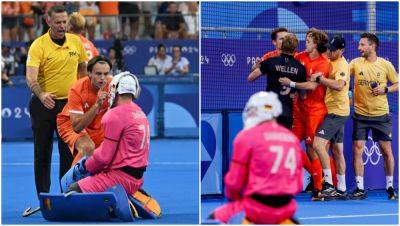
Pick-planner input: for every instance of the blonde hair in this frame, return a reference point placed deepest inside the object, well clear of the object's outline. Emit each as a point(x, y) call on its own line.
point(76, 22)
point(289, 43)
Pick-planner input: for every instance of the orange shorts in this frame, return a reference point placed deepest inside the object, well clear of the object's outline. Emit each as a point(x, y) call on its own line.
point(67, 133)
point(305, 125)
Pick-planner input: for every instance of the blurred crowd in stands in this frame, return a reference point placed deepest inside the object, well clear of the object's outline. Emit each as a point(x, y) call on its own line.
point(164, 64)
point(24, 21)
point(11, 60)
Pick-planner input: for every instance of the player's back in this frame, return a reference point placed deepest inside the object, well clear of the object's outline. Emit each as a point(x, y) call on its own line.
point(279, 67)
point(90, 49)
point(270, 54)
point(275, 164)
point(314, 99)
point(135, 135)
point(273, 53)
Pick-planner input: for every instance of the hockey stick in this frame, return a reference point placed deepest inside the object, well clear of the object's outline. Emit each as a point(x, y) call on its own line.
point(29, 211)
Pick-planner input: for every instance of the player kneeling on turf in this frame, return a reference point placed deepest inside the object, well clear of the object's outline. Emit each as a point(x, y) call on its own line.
point(266, 168)
point(122, 157)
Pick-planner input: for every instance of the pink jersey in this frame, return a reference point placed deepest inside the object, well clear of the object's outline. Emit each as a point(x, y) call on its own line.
point(126, 140)
point(266, 161)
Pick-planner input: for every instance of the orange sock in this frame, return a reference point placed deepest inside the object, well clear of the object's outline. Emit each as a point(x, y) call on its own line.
point(306, 162)
point(333, 170)
point(317, 173)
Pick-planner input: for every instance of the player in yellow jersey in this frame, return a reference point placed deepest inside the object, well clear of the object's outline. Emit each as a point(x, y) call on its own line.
point(332, 129)
point(54, 61)
point(371, 76)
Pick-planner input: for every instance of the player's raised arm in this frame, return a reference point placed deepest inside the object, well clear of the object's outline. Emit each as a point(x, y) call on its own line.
point(254, 75)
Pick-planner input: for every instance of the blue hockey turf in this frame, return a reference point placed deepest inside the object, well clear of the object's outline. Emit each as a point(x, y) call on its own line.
point(171, 178)
point(376, 209)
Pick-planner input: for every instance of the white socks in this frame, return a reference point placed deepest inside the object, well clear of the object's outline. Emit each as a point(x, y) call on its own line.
point(389, 181)
point(360, 182)
point(328, 176)
point(341, 184)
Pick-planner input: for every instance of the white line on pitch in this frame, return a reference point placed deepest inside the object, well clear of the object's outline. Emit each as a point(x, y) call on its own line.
point(349, 216)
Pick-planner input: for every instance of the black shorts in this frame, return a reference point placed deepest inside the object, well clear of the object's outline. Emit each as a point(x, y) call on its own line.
point(9, 22)
point(129, 8)
point(332, 128)
point(381, 127)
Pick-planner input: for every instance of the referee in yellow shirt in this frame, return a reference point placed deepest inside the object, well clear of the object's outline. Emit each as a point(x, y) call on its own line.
point(371, 76)
point(332, 129)
point(54, 61)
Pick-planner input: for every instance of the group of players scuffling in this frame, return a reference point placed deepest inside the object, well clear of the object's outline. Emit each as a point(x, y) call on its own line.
point(307, 99)
point(103, 136)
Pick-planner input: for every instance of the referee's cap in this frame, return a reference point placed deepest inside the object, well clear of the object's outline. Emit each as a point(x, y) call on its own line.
point(336, 43)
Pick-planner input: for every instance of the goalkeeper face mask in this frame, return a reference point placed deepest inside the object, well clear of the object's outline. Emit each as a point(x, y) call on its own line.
point(124, 82)
point(262, 106)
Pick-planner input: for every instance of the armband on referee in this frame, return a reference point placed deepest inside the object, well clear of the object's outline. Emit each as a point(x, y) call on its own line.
point(292, 84)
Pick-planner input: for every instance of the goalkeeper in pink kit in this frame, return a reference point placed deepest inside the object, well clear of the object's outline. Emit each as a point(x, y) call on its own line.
point(266, 168)
point(123, 155)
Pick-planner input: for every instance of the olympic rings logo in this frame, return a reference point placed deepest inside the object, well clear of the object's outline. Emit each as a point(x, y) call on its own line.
point(373, 153)
point(228, 59)
point(129, 50)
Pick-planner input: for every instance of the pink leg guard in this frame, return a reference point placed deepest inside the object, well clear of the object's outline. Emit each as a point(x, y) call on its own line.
point(225, 212)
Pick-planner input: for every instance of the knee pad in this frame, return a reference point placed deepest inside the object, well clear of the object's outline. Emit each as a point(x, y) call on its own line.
point(73, 175)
